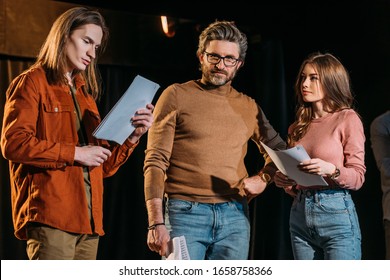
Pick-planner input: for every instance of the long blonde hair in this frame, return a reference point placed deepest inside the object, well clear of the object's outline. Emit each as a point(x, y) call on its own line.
point(335, 82)
point(52, 56)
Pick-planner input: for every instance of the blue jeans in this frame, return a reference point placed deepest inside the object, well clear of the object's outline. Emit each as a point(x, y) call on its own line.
point(324, 225)
point(213, 231)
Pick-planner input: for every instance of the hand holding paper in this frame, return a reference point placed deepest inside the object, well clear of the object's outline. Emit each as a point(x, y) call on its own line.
point(116, 126)
point(287, 162)
point(142, 121)
point(178, 249)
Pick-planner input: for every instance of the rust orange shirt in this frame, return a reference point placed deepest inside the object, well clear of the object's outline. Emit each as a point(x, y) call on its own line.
point(38, 138)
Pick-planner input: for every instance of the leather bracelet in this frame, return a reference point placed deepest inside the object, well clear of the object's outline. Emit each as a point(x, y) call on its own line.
point(155, 225)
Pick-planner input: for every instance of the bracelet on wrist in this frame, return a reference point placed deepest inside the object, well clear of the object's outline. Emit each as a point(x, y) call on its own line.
point(155, 225)
point(335, 174)
point(265, 177)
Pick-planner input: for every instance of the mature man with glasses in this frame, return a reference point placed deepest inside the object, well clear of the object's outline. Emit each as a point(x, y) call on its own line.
point(196, 183)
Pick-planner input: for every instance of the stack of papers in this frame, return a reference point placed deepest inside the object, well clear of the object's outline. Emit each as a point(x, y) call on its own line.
point(116, 126)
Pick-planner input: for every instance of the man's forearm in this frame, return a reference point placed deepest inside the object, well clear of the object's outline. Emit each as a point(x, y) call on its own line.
point(154, 207)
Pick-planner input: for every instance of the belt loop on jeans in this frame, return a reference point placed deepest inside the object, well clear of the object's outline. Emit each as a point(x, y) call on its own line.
point(311, 194)
point(308, 193)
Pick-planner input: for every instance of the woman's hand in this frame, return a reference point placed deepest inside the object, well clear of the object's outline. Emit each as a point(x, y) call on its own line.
point(317, 166)
point(283, 181)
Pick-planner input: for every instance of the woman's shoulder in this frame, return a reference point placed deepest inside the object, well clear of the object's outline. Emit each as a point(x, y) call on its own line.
point(347, 114)
point(347, 118)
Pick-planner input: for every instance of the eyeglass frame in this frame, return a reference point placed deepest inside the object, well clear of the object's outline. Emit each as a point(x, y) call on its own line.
point(221, 58)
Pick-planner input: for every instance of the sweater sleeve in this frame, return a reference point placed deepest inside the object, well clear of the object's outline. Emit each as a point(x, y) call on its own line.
point(352, 139)
point(160, 143)
point(269, 136)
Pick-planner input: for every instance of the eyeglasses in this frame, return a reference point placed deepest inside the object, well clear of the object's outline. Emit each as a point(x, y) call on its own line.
point(227, 60)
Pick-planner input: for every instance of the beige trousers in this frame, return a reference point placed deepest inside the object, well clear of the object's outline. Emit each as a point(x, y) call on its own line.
point(47, 243)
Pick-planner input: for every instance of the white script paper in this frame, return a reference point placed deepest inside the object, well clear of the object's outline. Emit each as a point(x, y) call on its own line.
point(287, 162)
point(116, 126)
point(177, 249)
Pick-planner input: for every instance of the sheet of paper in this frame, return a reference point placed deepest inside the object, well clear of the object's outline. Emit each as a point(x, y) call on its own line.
point(116, 126)
point(287, 162)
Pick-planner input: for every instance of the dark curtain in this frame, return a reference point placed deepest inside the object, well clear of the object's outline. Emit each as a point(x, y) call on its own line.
point(270, 237)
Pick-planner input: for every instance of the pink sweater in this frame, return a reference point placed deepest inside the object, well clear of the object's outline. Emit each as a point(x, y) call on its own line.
point(339, 138)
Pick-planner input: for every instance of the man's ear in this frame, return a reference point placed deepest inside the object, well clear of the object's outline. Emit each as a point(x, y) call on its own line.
point(240, 64)
point(200, 57)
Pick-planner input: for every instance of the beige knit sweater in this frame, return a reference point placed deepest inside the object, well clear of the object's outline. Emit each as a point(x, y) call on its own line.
point(198, 142)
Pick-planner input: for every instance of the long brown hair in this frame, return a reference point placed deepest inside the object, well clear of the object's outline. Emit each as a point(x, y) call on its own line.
point(52, 56)
point(335, 82)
